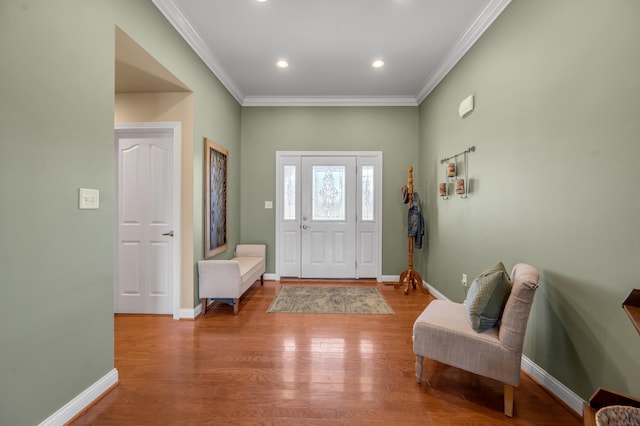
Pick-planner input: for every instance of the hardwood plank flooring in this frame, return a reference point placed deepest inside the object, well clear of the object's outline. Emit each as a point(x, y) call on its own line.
point(259, 368)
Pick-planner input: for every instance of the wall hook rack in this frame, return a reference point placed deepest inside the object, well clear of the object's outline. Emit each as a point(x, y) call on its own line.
point(451, 175)
point(466, 151)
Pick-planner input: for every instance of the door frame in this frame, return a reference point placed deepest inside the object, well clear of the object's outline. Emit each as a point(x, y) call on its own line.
point(376, 156)
point(173, 127)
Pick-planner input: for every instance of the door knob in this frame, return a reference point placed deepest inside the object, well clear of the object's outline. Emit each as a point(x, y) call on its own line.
point(168, 234)
point(305, 227)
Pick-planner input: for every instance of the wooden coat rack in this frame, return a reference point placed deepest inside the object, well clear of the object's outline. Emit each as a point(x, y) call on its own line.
point(411, 276)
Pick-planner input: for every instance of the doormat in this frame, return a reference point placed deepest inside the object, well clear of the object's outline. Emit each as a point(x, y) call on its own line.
point(330, 300)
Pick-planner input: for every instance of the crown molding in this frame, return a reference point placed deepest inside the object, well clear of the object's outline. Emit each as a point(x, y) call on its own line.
point(255, 101)
point(176, 18)
point(462, 46)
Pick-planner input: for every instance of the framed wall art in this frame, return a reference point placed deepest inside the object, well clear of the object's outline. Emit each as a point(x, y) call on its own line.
point(215, 205)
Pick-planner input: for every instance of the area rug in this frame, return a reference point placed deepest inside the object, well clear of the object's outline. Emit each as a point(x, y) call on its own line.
point(330, 300)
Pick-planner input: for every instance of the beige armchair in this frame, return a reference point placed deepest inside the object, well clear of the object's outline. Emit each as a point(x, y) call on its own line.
point(443, 333)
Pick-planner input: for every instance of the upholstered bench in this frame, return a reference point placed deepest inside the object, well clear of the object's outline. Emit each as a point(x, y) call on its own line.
point(227, 280)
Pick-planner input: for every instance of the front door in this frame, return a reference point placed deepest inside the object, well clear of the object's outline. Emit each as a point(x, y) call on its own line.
point(145, 199)
point(328, 213)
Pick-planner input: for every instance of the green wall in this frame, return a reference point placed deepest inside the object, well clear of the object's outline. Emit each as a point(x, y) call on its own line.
point(56, 135)
point(554, 179)
point(216, 112)
point(265, 130)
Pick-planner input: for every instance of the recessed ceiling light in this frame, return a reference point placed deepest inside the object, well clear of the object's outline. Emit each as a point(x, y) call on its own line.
point(378, 63)
point(261, 1)
point(282, 63)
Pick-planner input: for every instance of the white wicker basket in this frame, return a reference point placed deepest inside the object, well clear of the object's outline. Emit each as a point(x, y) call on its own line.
point(618, 415)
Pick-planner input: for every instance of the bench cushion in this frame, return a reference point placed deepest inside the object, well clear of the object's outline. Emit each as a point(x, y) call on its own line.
point(250, 270)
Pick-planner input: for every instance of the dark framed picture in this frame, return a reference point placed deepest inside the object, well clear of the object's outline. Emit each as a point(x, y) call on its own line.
point(215, 205)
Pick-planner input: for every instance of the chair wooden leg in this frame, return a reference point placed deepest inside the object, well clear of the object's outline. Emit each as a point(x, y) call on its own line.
point(418, 368)
point(204, 306)
point(508, 400)
point(236, 305)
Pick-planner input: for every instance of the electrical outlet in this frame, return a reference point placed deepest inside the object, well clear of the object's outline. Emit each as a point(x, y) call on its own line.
point(464, 280)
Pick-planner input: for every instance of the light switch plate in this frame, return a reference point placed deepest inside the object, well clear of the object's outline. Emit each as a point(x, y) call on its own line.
point(268, 204)
point(88, 199)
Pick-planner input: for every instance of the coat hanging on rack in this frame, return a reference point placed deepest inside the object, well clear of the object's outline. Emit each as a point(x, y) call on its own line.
point(415, 221)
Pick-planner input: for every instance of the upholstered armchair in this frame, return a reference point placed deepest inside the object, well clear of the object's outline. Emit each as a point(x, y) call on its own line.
point(443, 332)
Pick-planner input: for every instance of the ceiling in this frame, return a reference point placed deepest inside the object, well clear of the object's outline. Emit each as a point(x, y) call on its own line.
point(330, 46)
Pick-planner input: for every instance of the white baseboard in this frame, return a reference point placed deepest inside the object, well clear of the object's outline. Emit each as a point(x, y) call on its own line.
point(190, 313)
point(83, 400)
point(434, 291)
point(390, 278)
point(384, 278)
point(551, 384)
point(545, 379)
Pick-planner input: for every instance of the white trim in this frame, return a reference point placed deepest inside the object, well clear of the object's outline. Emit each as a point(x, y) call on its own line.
point(434, 291)
point(272, 277)
point(252, 101)
point(493, 9)
point(175, 127)
point(191, 313)
point(83, 400)
point(176, 18)
point(546, 380)
point(329, 153)
point(552, 384)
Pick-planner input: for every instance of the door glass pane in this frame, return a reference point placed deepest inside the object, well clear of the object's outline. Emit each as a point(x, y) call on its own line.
point(289, 192)
point(367, 193)
point(328, 192)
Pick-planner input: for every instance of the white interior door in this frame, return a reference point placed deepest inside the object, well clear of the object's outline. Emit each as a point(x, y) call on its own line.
point(328, 217)
point(145, 246)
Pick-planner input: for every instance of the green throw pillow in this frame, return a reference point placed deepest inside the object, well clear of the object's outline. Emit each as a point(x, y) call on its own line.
point(487, 297)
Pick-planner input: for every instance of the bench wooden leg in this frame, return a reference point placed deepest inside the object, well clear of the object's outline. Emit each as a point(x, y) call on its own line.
point(236, 304)
point(418, 368)
point(508, 400)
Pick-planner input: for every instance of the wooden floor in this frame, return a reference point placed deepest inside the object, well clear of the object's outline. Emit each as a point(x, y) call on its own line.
point(260, 368)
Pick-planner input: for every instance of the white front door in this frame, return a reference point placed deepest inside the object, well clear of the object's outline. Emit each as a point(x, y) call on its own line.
point(145, 200)
point(328, 213)
point(319, 243)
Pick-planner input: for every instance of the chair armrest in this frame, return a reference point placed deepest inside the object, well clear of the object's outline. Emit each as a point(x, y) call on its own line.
point(219, 278)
